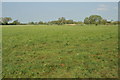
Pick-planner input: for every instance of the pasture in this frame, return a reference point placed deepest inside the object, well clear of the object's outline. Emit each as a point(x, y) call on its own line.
point(54, 51)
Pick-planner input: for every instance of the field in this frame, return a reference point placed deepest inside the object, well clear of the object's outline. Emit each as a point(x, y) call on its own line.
point(41, 51)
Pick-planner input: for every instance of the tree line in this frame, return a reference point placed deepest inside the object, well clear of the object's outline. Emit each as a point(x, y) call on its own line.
point(93, 19)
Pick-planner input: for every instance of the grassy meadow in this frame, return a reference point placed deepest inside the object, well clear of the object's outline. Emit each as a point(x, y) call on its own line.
point(54, 51)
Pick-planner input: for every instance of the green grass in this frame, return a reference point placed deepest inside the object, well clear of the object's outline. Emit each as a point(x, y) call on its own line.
point(60, 51)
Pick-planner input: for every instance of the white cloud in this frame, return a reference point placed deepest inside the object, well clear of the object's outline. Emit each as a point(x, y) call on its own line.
point(102, 7)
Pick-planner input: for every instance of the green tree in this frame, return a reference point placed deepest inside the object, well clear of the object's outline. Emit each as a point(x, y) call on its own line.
point(95, 19)
point(69, 21)
point(5, 20)
point(41, 22)
point(31, 23)
point(103, 21)
point(16, 22)
point(86, 20)
point(115, 22)
point(61, 20)
point(0, 21)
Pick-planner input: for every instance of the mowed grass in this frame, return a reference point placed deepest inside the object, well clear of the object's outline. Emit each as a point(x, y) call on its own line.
point(60, 51)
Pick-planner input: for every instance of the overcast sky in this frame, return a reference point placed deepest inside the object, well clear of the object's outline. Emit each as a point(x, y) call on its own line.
point(47, 11)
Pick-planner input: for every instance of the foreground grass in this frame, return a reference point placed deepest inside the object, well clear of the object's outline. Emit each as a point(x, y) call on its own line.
point(60, 51)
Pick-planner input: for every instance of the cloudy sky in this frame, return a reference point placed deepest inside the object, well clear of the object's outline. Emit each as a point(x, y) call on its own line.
point(47, 11)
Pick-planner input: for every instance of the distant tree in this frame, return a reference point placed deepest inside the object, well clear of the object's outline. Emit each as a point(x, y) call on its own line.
point(68, 22)
point(115, 22)
point(79, 22)
point(41, 22)
point(31, 23)
point(86, 20)
point(0, 21)
point(5, 20)
point(95, 19)
point(103, 21)
point(61, 20)
point(16, 22)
